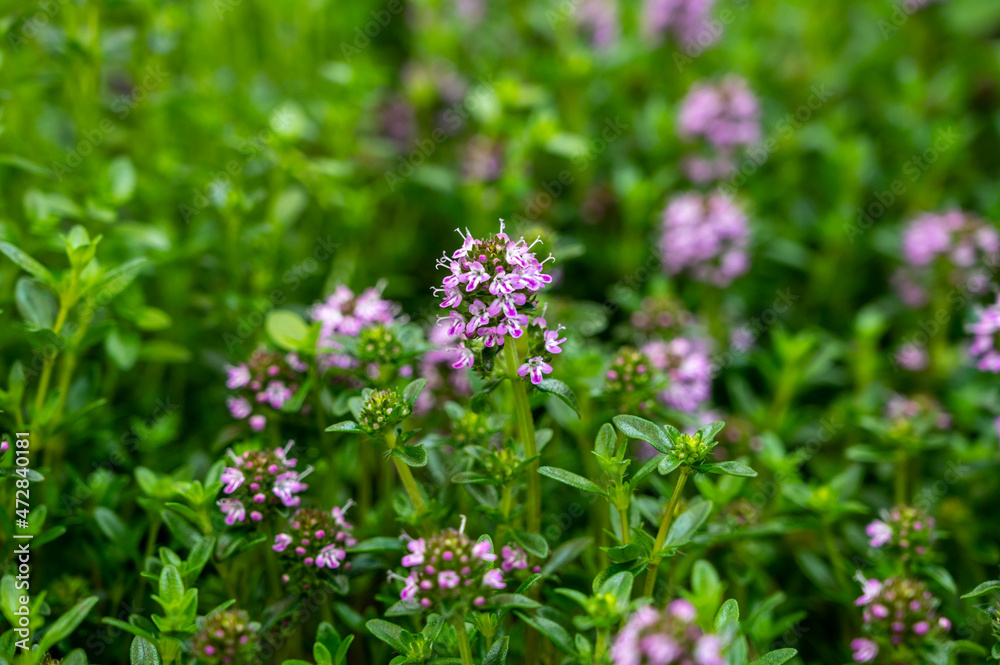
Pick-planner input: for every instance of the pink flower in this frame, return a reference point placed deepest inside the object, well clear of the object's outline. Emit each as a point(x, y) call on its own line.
point(448, 579)
point(417, 549)
point(233, 509)
point(683, 610)
point(239, 407)
point(257, 422)
point(551, 341)
point(870, 590)
point(864, 650)
point(483, 550)
point(466, 358)
point(237, 377)
point(288, 484)
point(281, 542)
point(330, 557)
point(232, 479)
point(536, 367)
point(879, 532)
point(514, 558)
point(494, 579)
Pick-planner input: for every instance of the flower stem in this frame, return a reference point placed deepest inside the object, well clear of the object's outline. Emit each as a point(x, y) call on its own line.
point(464, 649)
point(901, 470)
point(623, 517)
point(661, 535)
point(526, 427)
point(407, 477)
point(600, 645)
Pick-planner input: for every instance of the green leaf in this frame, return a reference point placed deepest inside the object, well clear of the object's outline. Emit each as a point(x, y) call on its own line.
point(560, 390)
point(378, 544)
point(512, 600)
point(984, 588)
point(412, 391)
point(415, 456)
point(623, 553)
point(728, 616)
point(687, 524)
point(941, 575)
point(565, 553)
point(121, 176)
point(497, 655)
point(532, 543)
point(36, 303)
point(322, 655)
point(570, 478)
point(66, 624)
point(346, 426)
point(287, 329)
point(28, 264)
point(110, 524)
point(709, 431)
point(732, 469)
point(171, 590)
point(667, 464)
point(644, 430)
point(776, 657)
point(550, 629)
point(143, 653)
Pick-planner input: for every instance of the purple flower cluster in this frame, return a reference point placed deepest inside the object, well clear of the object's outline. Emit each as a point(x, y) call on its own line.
point(984, 344)
point(315, 539)
point(435, 366)
point(491, 286)
point(226, 637)
point(258, 481)
point(904, 531)
point(686, 20)
point(689, 372)
point(598, 19)
point(345, 314)
point(912, 357)
point(265, 382)
point(726, 114)
point(956, 240)
point(705, 235)
point(899, 614)
point(448, 569)
point(653, 637)
point(921, 410)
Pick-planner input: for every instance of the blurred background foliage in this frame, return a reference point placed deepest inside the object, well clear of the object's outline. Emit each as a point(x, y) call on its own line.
point(257, 153)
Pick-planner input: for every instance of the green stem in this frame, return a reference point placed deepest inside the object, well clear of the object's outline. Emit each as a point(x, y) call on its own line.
point(623, 517)
point(600, 645)
point(526, 427)
point(43, 382)
point(506, 501)
point(661, 536)
point(464, 649)
point(901, 472)
point(836, 560)
point(407, 477)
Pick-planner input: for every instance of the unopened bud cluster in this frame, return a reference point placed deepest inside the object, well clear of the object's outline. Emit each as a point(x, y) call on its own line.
point(263, 384)
point(315, 539)
point(903, 531)
point(382, 410)
point(449, 570)
point(226, 638)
